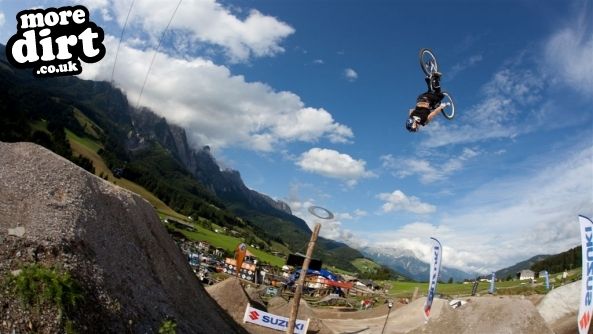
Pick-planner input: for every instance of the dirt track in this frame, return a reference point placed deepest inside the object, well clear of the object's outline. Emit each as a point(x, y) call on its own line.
point(554, 313)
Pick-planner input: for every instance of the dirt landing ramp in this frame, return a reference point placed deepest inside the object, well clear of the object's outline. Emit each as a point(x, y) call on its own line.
point(401, 320)
point(489, 314)
point(560, 308)
point(484, 315)
point(133, 276)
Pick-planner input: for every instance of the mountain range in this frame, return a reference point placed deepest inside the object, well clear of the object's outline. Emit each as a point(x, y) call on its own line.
point(407, 264)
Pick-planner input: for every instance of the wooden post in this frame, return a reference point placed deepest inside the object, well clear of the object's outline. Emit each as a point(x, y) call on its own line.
point(299, 285)
point(387, 316)
point(415, 294)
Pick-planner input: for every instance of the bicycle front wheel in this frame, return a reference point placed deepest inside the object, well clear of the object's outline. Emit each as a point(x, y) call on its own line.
point(428, 62)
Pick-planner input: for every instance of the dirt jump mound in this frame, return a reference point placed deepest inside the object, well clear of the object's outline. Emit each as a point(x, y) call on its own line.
point(132, 275)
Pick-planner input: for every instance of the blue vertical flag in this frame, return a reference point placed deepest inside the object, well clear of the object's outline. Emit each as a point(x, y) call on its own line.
point(435, 267)
point(492, 287)
point(547, 277)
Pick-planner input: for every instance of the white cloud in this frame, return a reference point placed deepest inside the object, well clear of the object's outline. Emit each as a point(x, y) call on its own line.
point(568, 53)
point(360, 213)
point(307, 123)
point(206, 21)
point(2, 19)
point(330, 228)
point(350, 74)
point(318, 62)
point(509, 99)
point(515, 217)
point(333, 164)
point(100, 5)
point(214, 106)
point(463, 65)
point(398, 201)
point(426, 170)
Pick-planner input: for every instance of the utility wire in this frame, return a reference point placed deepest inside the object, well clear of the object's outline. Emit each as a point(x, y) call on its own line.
point(155, 53)
point(120, 39)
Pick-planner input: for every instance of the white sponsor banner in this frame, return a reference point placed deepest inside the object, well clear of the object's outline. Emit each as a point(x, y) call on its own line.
point(586, 308)
point(276, 322)
point(435, 267)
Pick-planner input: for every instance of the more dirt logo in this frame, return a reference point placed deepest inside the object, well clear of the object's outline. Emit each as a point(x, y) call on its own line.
point(53, 41)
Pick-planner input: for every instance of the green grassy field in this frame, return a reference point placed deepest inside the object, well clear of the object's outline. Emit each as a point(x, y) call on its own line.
point(88, 148)
point(228, 243)
point(89, 126)
point(40, 126)
point(515, 287)
point(365, 265)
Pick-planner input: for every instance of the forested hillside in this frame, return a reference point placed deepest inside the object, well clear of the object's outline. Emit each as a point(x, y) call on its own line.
point(140, 147)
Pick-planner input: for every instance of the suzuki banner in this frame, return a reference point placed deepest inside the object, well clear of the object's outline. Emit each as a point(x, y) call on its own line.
point(586, 308)
point(276, 322)
point(435, 267)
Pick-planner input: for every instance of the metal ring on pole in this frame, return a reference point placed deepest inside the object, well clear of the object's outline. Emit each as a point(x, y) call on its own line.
point(321, 212)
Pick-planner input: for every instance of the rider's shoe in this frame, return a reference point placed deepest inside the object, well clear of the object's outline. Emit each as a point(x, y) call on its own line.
point(437, 74)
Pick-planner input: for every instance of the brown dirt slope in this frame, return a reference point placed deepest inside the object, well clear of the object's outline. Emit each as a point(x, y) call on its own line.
point(489, 314)
point(132, 274)
point(560, 308)
point(233, 295)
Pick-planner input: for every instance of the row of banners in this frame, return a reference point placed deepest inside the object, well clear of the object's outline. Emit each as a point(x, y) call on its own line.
point(585, 314)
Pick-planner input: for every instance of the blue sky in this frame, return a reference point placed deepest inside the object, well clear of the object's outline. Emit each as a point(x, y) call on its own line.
point(307, 99)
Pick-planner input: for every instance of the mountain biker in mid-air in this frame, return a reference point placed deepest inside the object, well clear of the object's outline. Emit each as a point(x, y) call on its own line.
point(428, 104)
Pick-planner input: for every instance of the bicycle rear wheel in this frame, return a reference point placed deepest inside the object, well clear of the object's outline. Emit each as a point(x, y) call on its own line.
point(448, 112)
point(428, 62)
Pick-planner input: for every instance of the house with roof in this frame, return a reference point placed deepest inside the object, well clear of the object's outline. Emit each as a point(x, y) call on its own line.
point(526, 274)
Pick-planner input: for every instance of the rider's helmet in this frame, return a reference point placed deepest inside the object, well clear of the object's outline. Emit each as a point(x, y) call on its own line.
point(410, 124)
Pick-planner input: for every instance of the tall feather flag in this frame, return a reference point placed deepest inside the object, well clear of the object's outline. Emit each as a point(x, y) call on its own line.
point(586, 307)
point(435, 268)
point(240, 252)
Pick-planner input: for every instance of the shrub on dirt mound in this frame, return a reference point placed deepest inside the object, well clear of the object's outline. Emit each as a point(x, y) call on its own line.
point(132, 277)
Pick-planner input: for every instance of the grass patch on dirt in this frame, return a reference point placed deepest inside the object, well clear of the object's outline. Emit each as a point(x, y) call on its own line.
point(36, 284)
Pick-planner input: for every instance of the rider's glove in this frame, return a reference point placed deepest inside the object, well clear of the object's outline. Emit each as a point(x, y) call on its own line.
point(445, 104)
